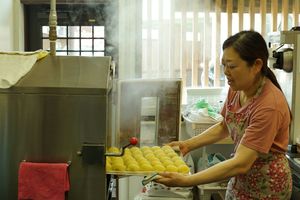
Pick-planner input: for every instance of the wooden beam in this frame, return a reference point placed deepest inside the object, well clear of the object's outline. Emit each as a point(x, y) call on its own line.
point(274, 12)
point(229, 8)
point(149, 38)
point(217, 36)
point(184, 57)
point(285, 12)
point(195, 45)
point(263, 12)
point(207, 44)
point(241, 14)
point(252, 12)
point(296, 12)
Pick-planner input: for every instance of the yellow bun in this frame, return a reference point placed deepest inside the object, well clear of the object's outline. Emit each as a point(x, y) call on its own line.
point(155, 148)
point(179, 162)
point(153, 159)
point(158, 151)
point(113, 150)
point(138, 156)
point(172, 154)
point(108, 167)
point(160, 154)
point(127, 157)
point(159, 168)
point(130, 161)
point(118, 167)
point(146, 152)
point(155, 162)
point(108, 159)
point(127, 151)
point(168, 149)
point(116, 160)
point(108, 163)
point(183, 169)
point(137, 153)
point(146, 167)
point(133, 167)
point(134, 149)
point(145, 148)
point(167, 162)
point(143, 161)
point(163, 158)
point(175, 158)
point(171, 168)
point(150, 156)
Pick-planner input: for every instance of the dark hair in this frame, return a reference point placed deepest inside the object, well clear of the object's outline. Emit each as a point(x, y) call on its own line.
point(250, 45)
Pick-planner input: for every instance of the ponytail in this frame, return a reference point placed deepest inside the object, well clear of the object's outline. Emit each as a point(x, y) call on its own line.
point(266, 71)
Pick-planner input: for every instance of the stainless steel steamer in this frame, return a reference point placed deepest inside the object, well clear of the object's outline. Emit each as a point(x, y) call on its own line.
point(58, 113)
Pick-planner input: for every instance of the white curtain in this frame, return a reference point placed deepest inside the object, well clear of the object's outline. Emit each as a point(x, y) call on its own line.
point(183, 39)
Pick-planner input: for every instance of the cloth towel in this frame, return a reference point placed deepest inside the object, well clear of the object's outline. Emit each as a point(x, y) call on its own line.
point(43, 181)
point(14, 65)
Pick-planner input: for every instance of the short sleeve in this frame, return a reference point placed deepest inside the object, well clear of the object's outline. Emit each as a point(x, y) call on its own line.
point(262, 129)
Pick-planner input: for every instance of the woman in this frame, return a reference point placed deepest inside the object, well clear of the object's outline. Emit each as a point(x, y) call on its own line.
point(257, 117)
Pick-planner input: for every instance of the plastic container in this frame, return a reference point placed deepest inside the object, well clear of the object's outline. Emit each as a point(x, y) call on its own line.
point(195, 128)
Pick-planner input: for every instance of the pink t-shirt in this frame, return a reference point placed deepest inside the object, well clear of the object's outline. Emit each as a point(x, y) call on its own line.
point(268, 119)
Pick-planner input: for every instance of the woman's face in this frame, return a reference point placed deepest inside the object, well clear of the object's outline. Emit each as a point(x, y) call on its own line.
point(239, 75)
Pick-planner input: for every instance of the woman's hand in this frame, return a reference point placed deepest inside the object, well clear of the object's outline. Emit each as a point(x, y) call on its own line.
point(183, 147)
point(172, 179)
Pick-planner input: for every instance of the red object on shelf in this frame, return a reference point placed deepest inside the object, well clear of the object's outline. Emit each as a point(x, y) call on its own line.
point(133, 141)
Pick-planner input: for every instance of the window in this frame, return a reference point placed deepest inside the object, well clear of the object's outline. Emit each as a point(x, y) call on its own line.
point(77, 40)
point(159, 38)
point(81, 29)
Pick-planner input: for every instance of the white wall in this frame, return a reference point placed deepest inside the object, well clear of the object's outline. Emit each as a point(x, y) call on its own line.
point(6, 25)
point(127, 38)
point(11, 25)
point(18, 27)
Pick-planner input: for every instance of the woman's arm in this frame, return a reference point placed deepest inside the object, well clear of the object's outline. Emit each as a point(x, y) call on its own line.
point(239, 164)
point(212, 135)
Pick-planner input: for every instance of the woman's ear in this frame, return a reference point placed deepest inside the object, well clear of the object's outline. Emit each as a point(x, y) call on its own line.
point(258, 64)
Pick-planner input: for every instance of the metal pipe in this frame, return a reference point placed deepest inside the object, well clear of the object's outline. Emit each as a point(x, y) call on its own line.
point(52, 27)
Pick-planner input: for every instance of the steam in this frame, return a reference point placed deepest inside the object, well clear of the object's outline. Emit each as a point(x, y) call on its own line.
point(149, 100)
point(134, 89)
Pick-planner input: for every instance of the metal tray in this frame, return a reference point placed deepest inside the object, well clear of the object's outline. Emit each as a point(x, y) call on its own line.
point(130, 173)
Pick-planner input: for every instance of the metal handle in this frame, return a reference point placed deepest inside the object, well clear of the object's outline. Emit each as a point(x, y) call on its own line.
point(132, 141)
point(91, 153)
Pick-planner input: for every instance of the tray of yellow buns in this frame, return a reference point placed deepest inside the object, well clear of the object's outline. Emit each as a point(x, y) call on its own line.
point(145, 160)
